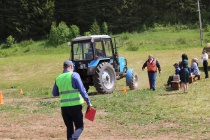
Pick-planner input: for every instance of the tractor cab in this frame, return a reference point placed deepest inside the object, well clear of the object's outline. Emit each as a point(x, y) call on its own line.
point(87, 50)
point(91, 47)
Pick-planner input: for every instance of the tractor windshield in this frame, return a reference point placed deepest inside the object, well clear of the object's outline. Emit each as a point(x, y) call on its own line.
point(82, 51)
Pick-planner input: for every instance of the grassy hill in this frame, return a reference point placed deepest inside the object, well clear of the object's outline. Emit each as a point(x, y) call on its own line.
point(139, 114)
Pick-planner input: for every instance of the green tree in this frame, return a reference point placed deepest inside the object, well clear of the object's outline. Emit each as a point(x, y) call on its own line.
point(74, 29)
point(28, 19)
point(2, 25)
point(9, 42)
point(104, 28)
point(60, 34)
point(53, 36)
point(25, 19)
point(95, 28)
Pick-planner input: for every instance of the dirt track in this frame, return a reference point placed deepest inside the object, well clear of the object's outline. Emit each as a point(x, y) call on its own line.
point(37, 126)
point(43, 126)
point(48, 127)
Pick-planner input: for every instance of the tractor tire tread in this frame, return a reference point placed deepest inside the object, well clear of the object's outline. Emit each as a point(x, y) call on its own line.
point(97, 80)
point(132, 85)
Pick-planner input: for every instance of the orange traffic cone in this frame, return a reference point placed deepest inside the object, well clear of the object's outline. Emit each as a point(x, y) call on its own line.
point(21, 91)
point(1, 100)
point(124, 90)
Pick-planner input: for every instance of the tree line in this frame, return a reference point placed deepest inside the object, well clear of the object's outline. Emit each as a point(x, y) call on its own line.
point(24, 19)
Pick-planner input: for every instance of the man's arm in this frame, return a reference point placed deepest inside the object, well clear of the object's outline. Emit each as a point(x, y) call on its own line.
point(77, 84)
point(158, 66)
point(55, 91)
point(144, 65)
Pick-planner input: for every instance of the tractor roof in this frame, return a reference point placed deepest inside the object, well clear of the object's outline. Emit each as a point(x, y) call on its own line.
point(92, 37)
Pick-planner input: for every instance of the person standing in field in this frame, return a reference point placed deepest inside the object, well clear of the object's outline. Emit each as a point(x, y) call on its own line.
point(70, 88)
point(205, 63)
point(152, 66)
point(184, 72)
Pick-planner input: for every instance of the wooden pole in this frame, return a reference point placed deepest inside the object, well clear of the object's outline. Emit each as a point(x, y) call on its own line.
point(200, 22)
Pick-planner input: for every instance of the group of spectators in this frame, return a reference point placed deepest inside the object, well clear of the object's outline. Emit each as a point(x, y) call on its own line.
point(182, 69)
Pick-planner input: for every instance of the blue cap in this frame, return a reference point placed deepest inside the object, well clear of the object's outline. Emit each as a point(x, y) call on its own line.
point(68, 63)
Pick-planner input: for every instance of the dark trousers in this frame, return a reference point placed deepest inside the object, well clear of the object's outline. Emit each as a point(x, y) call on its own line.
point(205, 67)
point(152, 79)
point(72, 115)
point(170, 78)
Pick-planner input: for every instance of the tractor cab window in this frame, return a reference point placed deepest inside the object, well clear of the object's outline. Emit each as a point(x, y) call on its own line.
point(82, 51)
point(108, 47)
point(98, 48)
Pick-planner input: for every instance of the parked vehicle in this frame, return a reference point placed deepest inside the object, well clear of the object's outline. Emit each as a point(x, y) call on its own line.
point(97, 61)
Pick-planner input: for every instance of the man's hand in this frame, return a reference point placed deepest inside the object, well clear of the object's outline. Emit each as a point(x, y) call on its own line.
point(159, 73)
point(89, 106)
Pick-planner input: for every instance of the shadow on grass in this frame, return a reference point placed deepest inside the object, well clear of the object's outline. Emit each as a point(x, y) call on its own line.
point(89, 94)
point(97, 93)
point(94, 93)
point(201, 68)
point(170, 91)
point(117, 91)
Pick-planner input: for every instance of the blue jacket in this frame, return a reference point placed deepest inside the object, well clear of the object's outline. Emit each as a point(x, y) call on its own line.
point(177, 70)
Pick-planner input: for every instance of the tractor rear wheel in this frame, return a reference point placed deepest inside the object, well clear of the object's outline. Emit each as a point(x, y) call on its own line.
point(104, 78)
point(134, 81)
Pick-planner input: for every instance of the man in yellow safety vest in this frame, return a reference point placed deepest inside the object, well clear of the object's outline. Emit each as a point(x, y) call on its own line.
point(70, 88)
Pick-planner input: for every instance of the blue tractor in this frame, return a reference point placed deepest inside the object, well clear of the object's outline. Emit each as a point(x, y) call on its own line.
point(97, 61)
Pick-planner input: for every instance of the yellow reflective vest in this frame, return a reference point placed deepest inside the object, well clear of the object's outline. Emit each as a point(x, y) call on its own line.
point(69, 96)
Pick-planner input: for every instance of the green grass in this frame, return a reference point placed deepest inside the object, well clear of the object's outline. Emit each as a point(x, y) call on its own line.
point(166, 39)
point(33, 47)
point(35, 71)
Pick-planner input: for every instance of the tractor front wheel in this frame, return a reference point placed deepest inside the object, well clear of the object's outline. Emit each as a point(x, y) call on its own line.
point(134, 81)
point(104, 78)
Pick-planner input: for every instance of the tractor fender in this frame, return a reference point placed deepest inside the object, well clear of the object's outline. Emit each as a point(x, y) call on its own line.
point(123, 64)
point(129, 76)
point(94, 63)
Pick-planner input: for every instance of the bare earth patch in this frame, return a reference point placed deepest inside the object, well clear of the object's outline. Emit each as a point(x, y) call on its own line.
point(44, 126)
point(37, 126)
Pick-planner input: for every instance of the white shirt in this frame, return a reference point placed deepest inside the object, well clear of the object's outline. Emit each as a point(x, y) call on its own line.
point(205, 56)
point(150, 61)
